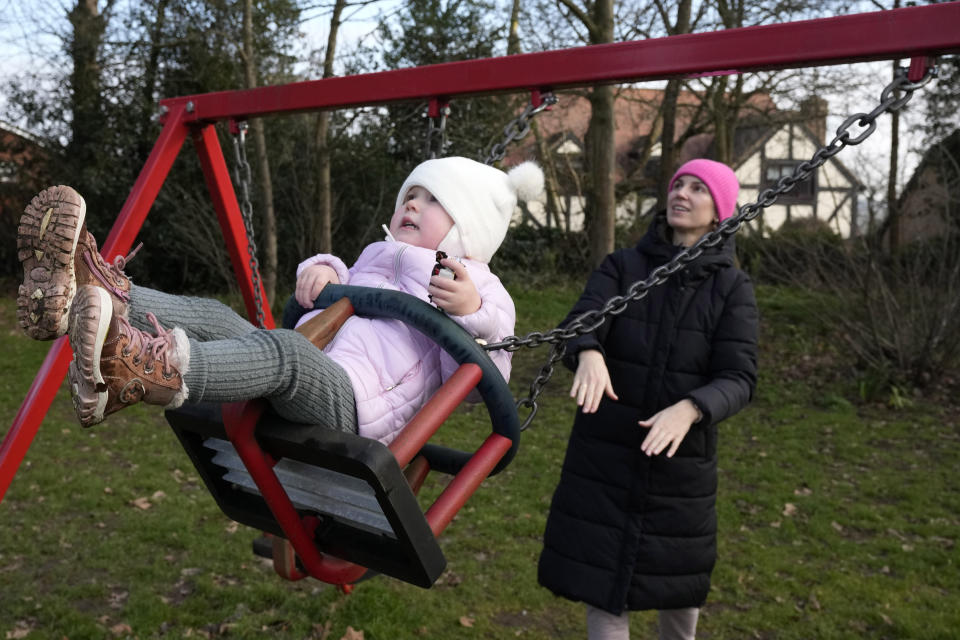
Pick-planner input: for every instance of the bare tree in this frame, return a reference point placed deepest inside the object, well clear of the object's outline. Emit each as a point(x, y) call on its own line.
point(268, 267)
point(322, 231)
point(86, 93)
point(668, 109)
point(597, 18)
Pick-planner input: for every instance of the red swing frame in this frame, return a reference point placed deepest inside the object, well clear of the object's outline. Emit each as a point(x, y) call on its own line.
point(919, 33)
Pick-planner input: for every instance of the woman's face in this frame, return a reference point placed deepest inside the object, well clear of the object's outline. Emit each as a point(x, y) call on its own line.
point(420, 220)
point(690, 208)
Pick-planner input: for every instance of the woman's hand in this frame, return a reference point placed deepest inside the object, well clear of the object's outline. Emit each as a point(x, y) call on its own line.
point(457, 297)
point(669, 427)
point(591, 381)
point(311, 282)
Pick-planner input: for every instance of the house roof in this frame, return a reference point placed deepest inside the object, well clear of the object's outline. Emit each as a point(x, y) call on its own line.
point(636, 123)
point(6, 127)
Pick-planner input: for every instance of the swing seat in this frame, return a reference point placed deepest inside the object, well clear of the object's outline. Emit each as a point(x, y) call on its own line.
point(340, 506)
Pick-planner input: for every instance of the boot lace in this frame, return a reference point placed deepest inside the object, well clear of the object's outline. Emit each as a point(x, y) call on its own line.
point(149, 349)
point(114, 268)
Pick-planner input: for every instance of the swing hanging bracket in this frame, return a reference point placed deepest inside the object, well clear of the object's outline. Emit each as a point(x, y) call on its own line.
point(919, 65)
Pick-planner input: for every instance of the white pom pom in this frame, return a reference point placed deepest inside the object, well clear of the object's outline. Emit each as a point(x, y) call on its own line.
point(527, 179)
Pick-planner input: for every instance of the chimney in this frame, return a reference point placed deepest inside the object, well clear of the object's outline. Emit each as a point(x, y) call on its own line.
point(813, 112)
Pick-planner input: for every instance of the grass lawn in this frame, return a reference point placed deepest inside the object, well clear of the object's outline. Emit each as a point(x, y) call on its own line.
point(838, 519)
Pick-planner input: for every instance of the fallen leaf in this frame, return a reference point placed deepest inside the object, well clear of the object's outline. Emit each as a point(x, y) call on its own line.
point(886, 619)
point(789, 509)
point(352, 634)
point(321, 631)
point(142, 503)
point(466, 621)
point(837, 526)
point(232, 527)
point(158, 495)
point(20, 631)
point(906, 547)
point(121, 629)
point(775, 524)
point(803, 491)
point(107, 490)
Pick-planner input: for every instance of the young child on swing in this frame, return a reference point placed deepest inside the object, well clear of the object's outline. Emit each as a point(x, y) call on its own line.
point(633, 524)
point(370, 379)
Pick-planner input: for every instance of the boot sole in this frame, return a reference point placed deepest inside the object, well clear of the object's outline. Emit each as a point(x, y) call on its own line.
point(46, 244)
point(89, 324)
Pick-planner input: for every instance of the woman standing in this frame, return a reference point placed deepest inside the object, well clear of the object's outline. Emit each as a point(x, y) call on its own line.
point(633, 524)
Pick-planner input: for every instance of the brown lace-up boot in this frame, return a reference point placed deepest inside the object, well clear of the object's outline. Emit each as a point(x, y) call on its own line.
point(116, 365)
point(58, 254)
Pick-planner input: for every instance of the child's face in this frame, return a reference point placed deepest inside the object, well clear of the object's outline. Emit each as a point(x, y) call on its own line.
point(690, 207)
point(420, 220)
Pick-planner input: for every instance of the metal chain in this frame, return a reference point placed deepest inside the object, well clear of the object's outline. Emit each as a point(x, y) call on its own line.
point(519, 127)
point(589, 321)
point(243, 178)
point(436, 142)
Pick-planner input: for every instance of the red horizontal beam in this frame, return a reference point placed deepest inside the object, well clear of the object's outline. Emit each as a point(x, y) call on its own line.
point(928, 30)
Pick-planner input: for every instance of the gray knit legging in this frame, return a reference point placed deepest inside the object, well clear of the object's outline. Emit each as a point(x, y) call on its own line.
point(231, 360)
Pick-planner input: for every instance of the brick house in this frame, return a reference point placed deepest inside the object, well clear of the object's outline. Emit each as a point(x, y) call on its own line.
point(768, 143)
point(23, 172)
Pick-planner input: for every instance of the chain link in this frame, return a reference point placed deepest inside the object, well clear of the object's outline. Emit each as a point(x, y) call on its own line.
point(243, 178)
point(436, 142)
point(518, 127)
point(591, 320)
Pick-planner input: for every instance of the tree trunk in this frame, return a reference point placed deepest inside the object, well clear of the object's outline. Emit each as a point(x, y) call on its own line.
point(668, 150)
point(150, 80)
point(85, 94)
point(268, 266)
point(550, 182)
point(893, 212)
point(323, 230)
point(513, 39)
point(722, 124)
point(601, 162)
point(601, 152)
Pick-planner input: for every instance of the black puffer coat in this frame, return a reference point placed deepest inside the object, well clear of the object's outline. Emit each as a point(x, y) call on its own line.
point(628, 531)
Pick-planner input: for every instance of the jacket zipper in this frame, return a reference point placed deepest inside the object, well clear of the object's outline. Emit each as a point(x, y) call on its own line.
point(396, 264)
point(396, 279)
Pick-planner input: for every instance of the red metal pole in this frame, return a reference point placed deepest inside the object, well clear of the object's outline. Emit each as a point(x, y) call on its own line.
point(228, 214)
point(444, 402)
point(240, 422)
point(31, 413)
point(125, 229)
point(465, 483)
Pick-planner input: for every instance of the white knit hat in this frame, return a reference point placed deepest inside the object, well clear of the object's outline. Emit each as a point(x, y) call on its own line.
point(479, 198)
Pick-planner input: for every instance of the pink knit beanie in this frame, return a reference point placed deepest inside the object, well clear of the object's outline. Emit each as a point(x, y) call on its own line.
point(720, 180)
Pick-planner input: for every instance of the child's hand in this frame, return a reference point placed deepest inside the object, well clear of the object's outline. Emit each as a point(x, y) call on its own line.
point(668, 427)
point(457, 297)
point(312, 281)
point(591, 381)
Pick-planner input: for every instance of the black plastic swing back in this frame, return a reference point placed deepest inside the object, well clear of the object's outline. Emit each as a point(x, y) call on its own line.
point(364, 510)
point(351, 489)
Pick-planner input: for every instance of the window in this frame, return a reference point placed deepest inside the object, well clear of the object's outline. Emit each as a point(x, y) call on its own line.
point(802, 192)
point(8, 171)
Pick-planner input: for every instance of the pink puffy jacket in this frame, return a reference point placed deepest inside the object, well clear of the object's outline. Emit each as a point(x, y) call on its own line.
point(394, 368)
